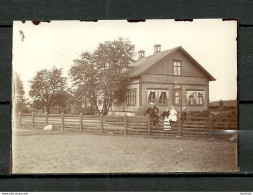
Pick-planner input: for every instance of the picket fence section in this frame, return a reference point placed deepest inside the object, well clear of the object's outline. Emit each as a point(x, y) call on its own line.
point(135, 125)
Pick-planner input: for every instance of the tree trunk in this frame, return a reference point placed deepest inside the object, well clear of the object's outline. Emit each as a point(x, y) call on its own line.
point(48, 108)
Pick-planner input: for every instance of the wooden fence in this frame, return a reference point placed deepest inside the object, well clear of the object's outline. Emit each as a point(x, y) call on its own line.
point(136, 125)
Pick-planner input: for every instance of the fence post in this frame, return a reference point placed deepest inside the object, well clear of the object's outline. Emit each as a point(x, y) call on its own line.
point(125, 124)
point(101, 123)
point(19, 119)
point(211, 126)
point(32, 119)
point(81, 121)
point(46, 118)
point(180, 126)
point(62, 121)
point(149, 125)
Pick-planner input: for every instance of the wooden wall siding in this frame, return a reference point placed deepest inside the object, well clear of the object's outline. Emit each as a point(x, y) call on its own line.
point(185, 88)
point(146, 86)
point(137, 125)
point(165, 66)
point(166, 79)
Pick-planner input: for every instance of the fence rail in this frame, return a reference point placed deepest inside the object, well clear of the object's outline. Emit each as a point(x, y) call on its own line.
point(136, 125)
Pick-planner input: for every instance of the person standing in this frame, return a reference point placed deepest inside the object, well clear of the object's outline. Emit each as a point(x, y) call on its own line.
point(153, 111)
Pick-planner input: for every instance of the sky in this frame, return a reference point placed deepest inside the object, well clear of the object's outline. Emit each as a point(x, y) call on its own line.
point(212, 42)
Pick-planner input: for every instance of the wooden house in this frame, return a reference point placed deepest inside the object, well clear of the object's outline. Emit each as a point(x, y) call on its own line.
point(171, 77)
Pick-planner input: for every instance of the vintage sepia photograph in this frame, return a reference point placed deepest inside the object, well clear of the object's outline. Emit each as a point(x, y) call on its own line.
point(118, 96)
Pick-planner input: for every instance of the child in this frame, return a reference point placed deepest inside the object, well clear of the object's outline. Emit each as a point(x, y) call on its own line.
point(173, 115)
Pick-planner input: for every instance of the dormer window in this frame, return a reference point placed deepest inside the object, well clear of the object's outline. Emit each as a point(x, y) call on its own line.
point(177, 67)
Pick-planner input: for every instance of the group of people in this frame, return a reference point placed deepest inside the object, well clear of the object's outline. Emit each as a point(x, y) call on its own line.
point(170, 116)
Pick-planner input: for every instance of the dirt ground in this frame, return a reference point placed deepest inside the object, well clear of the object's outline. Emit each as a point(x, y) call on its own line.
point(88, 153)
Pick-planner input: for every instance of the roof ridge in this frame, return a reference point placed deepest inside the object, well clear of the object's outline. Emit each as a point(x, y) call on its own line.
point(161, 52)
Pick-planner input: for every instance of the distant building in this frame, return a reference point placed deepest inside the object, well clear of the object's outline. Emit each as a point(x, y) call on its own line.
point(172, 77)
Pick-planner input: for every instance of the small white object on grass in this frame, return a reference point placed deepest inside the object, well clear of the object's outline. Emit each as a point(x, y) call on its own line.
point(48, 128)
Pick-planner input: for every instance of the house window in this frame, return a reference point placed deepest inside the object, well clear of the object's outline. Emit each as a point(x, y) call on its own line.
point(191, 100)
point(152, 97)
point(177, 67)
point(199, 99)
point(177, 98)
point(163, 98)
point(195, 97)
point(131, 97)
point(158, 96)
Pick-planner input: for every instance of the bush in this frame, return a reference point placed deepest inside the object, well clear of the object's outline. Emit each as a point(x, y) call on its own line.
point(89, 110)
point(204, 113)
point(229, 107)
point(213, 107)
point(140, 111)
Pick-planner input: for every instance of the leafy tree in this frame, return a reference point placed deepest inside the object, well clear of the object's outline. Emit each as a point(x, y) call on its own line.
point(97, 76)
point(18, 94)
point(84, 79)
point(47, 89)
point(221, 104)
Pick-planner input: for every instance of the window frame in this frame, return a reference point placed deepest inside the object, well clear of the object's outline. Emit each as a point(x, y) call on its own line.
point(178, 67)
point(195, 102)
point(178, 96)
point(152, 98)
point(131, 97)
point(164, 100)
point(156, 100)
point(202, 99)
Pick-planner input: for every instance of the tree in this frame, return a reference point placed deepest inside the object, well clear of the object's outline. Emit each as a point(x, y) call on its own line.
point(48, 89)
point(18, 93)
point(221, 103)
point(97, 76)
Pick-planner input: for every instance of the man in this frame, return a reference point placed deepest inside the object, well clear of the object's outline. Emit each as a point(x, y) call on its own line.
point(152, 111)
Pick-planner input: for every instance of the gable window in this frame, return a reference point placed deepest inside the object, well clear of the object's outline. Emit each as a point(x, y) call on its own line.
point(177, 97)
point(195, 97)
point(177, 67)
point(131, 97)
point(158, 96)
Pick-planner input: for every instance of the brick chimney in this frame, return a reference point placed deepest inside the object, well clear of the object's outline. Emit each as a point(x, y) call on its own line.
point(157, 48)
point(141, 54)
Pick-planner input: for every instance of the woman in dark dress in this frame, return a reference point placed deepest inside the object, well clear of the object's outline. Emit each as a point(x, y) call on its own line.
point(184, 115)
point(166, 114)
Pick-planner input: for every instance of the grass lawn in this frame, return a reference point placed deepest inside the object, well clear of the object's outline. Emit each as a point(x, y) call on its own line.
point(77, 152)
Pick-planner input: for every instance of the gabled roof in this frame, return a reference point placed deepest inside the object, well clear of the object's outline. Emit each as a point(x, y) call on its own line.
point(143, 64)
